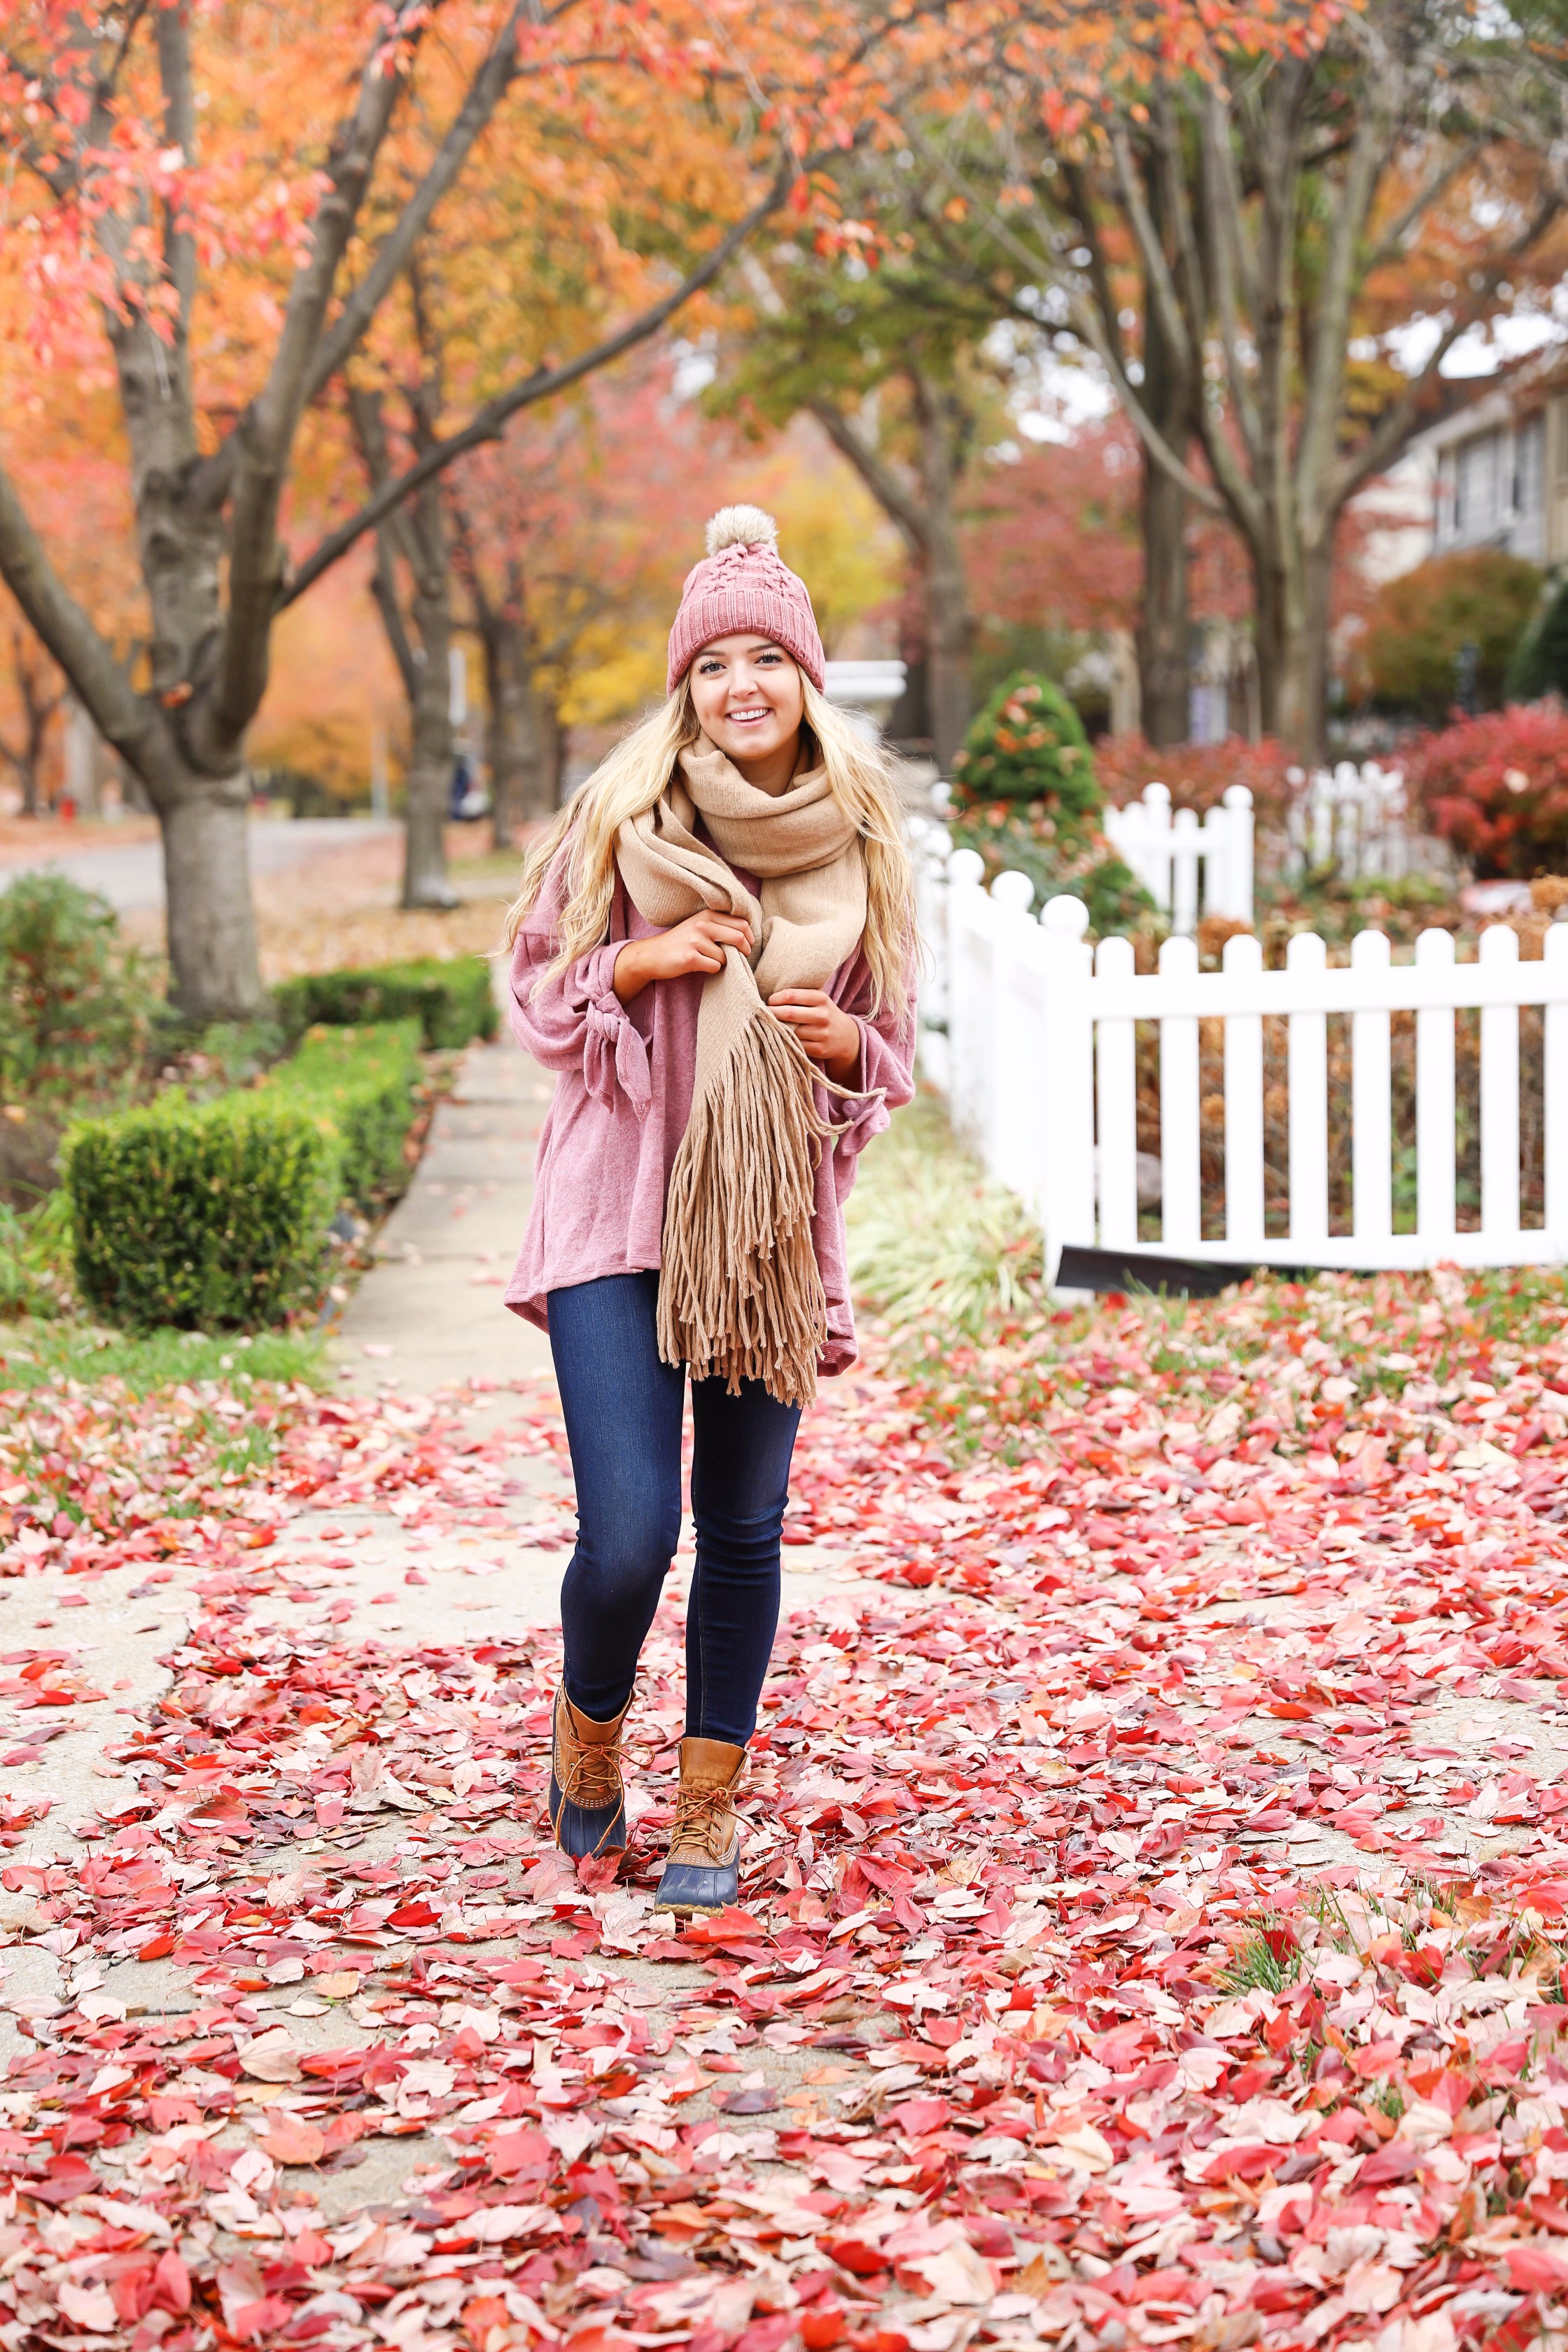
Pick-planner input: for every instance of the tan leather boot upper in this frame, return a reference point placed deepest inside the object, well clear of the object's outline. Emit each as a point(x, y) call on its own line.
point(587, 1810)
point(707, 1828)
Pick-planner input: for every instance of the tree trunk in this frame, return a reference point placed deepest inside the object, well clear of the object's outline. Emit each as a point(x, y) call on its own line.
point(28, 773)
point(214, 975)
point(546, 741)
point(425, 882)
point(1164, 681)
point(945, 589)
point(1293, 614)
point(1164, 668)
point(524, 733)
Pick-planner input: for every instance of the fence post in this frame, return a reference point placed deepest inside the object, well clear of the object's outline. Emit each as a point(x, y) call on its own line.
point(1554, 1074)
point(1500, 1096)
point(1013, 1023)
point(1238, 903)
point(931, 846)
point(1066, 1079)
point(1243, 1105)
point(1434, 1104)
point(1371, 1133)
point(1181, 1164)
point(1308, 1074)
point(967, 1016)
point(1322, 789)
point(1116, 1153)
point(1347, 821)
point(1157, 833)
point(1186, 851)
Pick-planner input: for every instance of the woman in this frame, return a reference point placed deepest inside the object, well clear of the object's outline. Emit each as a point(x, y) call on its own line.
point(712, 949)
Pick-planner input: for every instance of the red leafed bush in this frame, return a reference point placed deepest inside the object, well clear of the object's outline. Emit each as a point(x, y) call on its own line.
point(1497, 787)
point(1198, 774)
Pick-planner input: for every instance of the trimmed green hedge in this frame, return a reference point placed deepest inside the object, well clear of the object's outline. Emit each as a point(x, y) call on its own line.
point(452, 1000)
point(214, 1215)
point(358, 1085)
point(204, 1215)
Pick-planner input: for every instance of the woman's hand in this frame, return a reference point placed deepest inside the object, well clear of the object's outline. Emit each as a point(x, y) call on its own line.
point(696, 945)
point(829, 1035)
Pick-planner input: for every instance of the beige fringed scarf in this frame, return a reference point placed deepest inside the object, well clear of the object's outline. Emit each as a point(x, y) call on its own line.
point(740, 1293)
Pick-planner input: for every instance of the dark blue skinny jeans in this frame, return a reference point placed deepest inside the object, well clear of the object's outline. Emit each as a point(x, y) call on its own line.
point(622, 1408)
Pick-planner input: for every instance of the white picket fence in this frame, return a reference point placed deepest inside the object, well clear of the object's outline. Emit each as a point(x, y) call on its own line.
point(1354, 819)
point(1031, 1033)
point(1168, 852)
point(1188, 865)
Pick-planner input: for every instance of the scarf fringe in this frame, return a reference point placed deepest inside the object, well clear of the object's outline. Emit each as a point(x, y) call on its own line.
point(740, 1291)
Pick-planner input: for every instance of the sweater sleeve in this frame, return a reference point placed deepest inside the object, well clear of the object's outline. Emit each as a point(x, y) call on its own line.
point(884, 1081)
point(573, 1020)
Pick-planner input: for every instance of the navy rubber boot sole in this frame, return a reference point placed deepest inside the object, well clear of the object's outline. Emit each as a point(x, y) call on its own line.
point(699, 1885)
point(582, 1834)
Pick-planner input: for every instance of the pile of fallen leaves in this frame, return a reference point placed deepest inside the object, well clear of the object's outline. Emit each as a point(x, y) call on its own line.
point(1148, 1957)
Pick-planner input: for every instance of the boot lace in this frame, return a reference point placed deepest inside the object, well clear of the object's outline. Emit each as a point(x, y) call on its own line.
point(699, 1808)
point(592, 1779)
point(594, 1775)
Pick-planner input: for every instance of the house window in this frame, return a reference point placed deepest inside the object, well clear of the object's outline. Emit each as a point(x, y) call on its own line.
point(1477, 501)
point(1529, 467)
point(1447, 530)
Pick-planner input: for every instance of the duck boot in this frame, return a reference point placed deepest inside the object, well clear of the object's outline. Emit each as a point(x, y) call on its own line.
point(587, 1800)
point(703, 1871)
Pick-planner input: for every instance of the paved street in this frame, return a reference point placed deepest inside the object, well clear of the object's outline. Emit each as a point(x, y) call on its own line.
point(130, 876)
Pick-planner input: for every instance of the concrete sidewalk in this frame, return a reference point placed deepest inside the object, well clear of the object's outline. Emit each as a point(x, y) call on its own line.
point(431, 1306)
point(428, 1316)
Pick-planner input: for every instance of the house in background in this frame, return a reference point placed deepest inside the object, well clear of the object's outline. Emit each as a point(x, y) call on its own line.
point(1500, 469)
point(1492, 474)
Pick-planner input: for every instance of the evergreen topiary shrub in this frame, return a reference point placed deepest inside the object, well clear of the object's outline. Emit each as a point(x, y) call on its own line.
point(1025, 795)
point(360, 1086)
point(1027, 745)
point(205, 1216)
point(453, 1002)
point(1539, 664)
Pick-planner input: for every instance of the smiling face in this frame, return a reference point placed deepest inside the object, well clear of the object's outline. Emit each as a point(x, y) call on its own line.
point(748, 695)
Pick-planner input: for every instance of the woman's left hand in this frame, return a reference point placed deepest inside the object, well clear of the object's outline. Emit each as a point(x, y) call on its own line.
point(828, 1035)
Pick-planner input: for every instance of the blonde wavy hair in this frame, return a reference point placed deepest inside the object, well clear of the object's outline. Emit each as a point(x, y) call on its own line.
point(629, 781)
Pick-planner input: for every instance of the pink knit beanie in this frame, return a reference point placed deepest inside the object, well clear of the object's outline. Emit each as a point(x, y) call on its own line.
point(743, 582)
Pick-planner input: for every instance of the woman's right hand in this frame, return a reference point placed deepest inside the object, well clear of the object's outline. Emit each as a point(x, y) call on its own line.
point(696, 945)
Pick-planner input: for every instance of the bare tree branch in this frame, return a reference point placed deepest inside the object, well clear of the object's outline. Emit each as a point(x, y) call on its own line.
point(121, 715)
point(1163, 291)
point(1394, 427)
point(890, 492)
point(370, 432)
point(1235, 285)
point(266, 436)
point(1325, 372)
point(1392, 248)
point(485, 93)
point(491, 419)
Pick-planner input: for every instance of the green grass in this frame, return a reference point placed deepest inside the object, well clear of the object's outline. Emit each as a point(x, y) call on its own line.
point(931, 1238)
point(34, 1354)
point(1256, 1968)
point(952, 1268)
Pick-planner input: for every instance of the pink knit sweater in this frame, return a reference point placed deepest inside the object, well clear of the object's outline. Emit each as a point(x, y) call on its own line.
point(622, 1098)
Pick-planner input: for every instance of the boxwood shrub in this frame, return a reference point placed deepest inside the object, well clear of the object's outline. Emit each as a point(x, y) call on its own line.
point(207, 1216)
point(452, 1000)
point(213, 1216)
point(359, 1086)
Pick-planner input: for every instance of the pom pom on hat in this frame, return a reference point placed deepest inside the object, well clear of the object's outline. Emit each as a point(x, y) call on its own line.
point(743, 583)
point(742, 527)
